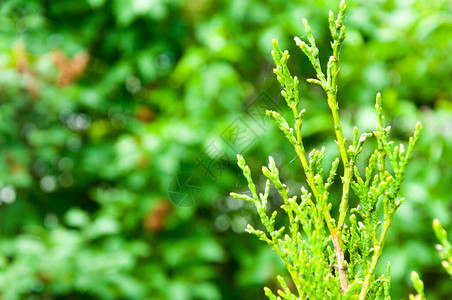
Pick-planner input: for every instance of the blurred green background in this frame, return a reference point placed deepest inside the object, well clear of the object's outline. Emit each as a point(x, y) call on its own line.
point(120, 121)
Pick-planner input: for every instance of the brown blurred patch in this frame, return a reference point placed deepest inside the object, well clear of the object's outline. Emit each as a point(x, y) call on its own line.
point(44, 278)
point(23, 67)
point(156, 219)
point(143, 162)
point(70, 69)
point(196, 8)
point(144, 113)
point(14, 166)
point(20, 54)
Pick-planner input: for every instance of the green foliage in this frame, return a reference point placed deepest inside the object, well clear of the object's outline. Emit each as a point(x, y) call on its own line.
point(445, 247)
point(97, 152)
point(314, 266)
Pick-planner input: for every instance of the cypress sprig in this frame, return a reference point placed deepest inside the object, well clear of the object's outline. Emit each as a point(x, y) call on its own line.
point(418, 286)
point(313, 246)
point(444, 248)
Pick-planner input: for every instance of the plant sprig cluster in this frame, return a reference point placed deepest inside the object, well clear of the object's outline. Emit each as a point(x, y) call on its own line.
point(313, 247)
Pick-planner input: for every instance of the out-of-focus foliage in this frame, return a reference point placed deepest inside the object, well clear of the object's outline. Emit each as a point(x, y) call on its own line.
point(108, 107)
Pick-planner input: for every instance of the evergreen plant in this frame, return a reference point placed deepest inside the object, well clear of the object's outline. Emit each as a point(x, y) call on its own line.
point(327, 257)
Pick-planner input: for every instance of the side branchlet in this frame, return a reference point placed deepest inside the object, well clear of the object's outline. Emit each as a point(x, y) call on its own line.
point(444, 247)
point(418, 286)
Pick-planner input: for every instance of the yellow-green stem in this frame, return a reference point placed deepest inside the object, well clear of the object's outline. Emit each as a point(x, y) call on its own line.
point(335, 234)
point(348, 168)
point(332, 103)
point(310, 179)
point(289, 268)
point(375, 258)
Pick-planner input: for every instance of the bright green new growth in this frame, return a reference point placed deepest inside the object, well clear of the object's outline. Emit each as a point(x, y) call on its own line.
point(313, 247)
point(445, 248)
point(418, 286)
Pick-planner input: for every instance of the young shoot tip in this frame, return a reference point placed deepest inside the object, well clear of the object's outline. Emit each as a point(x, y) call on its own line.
point(436, 223)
